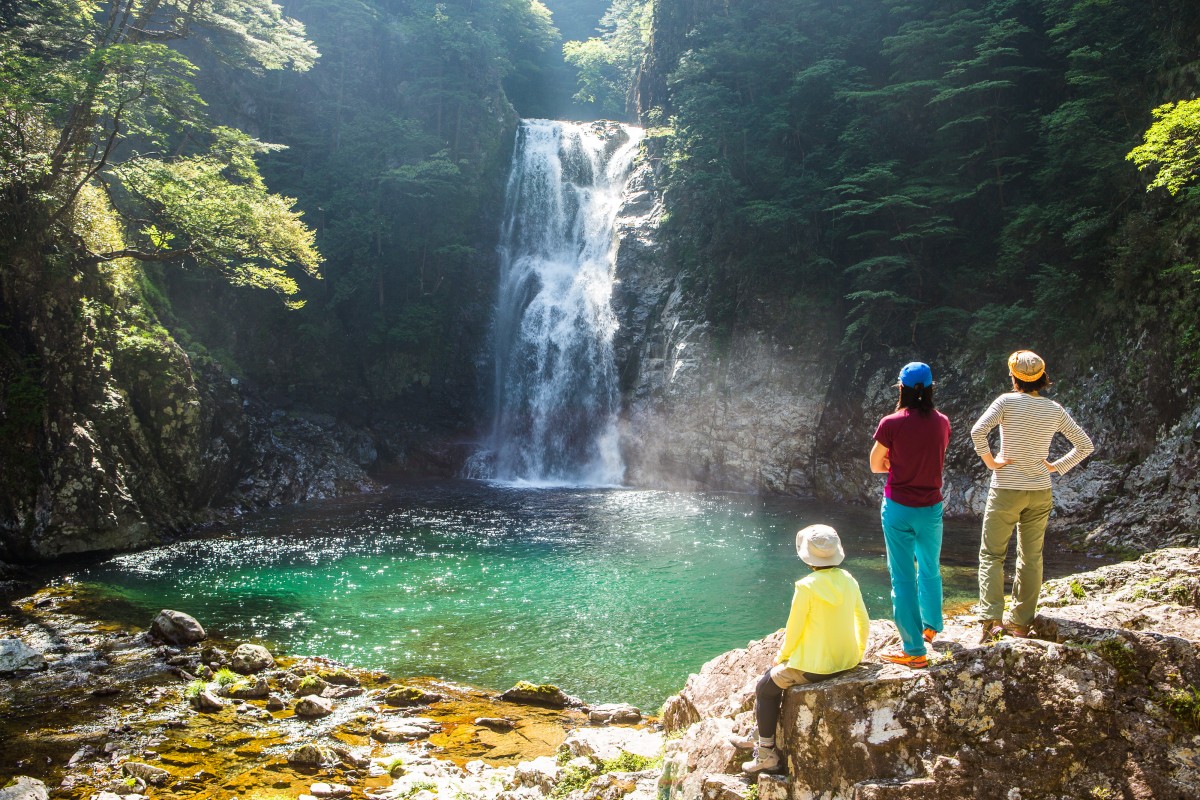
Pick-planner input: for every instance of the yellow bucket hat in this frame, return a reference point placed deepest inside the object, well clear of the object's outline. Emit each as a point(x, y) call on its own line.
point(1026, 365)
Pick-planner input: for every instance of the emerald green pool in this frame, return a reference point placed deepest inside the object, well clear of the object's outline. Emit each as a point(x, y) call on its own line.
point(613, 594)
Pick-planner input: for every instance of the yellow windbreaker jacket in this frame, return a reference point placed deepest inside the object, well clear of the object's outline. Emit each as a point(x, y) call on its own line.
point(828, 626)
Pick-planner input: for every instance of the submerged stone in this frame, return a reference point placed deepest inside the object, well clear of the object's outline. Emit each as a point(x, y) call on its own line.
point(176, 627)
point(495, 723)
point(155, 776)
point(404, 730)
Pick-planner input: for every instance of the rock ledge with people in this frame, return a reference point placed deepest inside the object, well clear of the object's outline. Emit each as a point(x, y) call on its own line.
point(1100, 701)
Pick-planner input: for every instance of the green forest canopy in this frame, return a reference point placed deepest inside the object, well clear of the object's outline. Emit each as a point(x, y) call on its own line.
point(948, 175)
point(961, 173)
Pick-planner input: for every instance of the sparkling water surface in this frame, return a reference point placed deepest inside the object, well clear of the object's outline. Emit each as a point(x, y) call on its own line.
point(613, 594)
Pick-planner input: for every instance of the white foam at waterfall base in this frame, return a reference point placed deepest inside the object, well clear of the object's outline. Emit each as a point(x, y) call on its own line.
point(555, 388)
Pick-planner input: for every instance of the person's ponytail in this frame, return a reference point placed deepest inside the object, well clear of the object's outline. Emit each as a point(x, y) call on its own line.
point(919, 397)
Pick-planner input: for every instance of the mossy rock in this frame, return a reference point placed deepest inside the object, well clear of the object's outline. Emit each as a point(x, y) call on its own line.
point(539, 694)
point(339, 677)
point(249, 689)
point(402, 695)
point(310, 684)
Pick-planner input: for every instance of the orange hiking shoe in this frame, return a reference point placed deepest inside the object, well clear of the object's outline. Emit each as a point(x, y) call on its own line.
point(930, 634)
point(905, 660)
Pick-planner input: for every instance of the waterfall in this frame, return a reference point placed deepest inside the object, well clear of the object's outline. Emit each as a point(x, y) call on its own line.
point(555, 386)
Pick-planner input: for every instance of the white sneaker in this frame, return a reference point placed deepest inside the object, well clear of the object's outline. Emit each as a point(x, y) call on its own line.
point(766, 759)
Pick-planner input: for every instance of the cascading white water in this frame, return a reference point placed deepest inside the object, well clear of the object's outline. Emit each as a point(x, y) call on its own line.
point(556, 397)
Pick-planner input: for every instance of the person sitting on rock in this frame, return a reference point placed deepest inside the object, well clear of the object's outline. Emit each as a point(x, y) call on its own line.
point(826, 635)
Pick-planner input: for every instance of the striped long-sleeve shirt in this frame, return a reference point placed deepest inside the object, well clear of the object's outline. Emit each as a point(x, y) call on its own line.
point(1027, 426)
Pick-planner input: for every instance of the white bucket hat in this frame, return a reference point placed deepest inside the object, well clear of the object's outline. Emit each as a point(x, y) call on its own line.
point(819, 546)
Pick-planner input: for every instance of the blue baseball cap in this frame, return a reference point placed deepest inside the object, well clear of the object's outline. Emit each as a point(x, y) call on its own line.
point(916, 372)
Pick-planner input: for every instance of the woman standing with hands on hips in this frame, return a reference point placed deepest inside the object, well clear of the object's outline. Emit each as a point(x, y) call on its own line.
point(910, 446)
point(1020, 493)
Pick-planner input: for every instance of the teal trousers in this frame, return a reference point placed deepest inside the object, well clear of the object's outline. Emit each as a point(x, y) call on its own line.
point(914, 549)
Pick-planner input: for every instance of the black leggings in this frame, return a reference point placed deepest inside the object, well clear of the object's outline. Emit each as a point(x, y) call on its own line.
point(768, 698)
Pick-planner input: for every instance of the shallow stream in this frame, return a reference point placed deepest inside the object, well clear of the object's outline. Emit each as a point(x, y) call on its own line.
point(613, 594)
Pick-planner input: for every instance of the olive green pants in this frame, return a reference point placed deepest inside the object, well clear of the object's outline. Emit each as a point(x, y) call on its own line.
point(1029, 511)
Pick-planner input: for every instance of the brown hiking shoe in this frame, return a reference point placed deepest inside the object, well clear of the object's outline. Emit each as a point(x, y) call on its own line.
point(1019, 631)
point(993, 629)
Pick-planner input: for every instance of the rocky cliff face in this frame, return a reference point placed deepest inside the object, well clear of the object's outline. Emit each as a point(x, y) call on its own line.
point(113, 434)
point(1100, 703)
point(705, 410)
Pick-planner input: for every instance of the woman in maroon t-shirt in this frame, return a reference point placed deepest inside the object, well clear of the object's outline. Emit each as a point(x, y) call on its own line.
point(910, 446)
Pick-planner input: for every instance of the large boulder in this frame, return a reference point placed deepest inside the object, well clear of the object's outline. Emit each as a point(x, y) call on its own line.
point(175, 627)
point(16, 656)
point(251, 658)
point(1100, 704)
point(724, 687)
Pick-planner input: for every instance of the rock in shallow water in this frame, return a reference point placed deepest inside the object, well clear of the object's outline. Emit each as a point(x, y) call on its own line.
point(155, 776)
point(312, 755)
point(175, 627)
point(251, 658)
point(16, 656)
point(402, 695)
point(545, 694)
point(250, 689)
point(207, 701)
point(313, 706)
point(495, 723)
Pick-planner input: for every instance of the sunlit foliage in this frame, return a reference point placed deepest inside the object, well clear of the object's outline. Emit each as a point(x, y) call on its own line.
point(86, 89)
